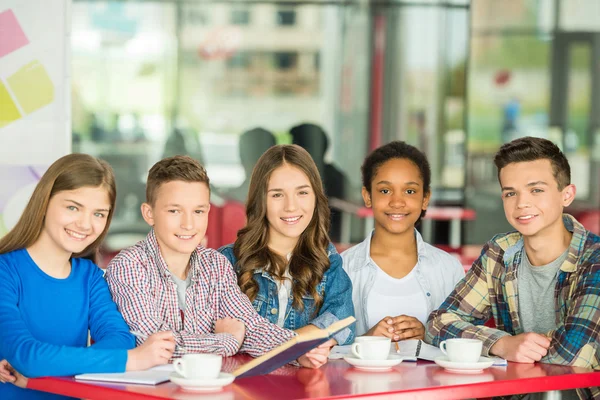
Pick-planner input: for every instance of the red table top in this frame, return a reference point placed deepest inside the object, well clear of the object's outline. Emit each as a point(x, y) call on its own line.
point(338, 379)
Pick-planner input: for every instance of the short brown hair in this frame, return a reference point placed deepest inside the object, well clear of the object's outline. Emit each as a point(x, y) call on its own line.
point(176, 168)
point(532, 149)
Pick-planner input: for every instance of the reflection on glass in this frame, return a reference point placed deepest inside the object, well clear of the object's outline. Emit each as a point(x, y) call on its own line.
point(578, 118)
point(155, 79)
point(424, 90)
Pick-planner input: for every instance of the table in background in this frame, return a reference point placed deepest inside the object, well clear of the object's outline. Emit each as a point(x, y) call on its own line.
point(338, 379)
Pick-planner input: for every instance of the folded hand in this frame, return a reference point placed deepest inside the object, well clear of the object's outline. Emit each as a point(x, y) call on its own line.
point(9, 375)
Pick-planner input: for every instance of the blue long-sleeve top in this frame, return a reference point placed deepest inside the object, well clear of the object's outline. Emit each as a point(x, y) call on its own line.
point(44, 322)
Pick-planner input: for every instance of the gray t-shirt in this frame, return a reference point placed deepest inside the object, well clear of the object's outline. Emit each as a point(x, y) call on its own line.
point(537, 305)
point(536, 294)
point(181, 287)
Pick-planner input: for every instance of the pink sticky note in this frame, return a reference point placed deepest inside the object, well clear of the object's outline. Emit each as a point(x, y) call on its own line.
point(12, 36)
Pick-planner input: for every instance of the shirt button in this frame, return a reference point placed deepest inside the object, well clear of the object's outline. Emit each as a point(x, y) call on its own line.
point(273, 311)
point(428, 294)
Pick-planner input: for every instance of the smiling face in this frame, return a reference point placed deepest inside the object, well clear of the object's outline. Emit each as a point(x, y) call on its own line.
point(397, 196)
point(75, 218)
point(533, 203)
point(179, 217)
point(290, 206)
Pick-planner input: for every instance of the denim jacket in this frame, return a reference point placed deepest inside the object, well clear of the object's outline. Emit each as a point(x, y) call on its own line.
point(437, 273)
point(335, 288)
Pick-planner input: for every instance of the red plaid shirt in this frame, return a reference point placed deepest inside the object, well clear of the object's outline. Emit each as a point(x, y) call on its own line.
point(146, 295)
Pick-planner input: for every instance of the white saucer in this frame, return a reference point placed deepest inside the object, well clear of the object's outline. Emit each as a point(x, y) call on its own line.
point(462, 367)
point(202, 385)
point(374, 365)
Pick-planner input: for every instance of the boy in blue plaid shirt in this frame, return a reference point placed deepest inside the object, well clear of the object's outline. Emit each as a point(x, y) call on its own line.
point(540, 284)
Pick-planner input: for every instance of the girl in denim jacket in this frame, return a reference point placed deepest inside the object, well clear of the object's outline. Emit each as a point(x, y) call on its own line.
point(398, 279)
point(285, 262)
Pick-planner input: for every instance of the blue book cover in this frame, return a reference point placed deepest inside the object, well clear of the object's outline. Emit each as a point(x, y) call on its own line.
point(290, 350)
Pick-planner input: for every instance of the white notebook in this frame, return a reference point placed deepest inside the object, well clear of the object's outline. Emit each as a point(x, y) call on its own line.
point(152, 376)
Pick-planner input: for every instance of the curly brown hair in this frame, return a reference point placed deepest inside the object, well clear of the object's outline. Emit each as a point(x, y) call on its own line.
point(309, 259)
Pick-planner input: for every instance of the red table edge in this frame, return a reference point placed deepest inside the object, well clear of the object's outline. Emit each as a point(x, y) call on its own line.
point(68, 387)
point(79, 389)
point(491, 389)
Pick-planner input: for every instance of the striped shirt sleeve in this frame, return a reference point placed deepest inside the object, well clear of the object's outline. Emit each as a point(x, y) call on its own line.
point(128, 280)
point(261, 335)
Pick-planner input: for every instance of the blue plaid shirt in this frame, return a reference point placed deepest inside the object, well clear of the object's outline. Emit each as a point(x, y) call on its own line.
point(489, 290)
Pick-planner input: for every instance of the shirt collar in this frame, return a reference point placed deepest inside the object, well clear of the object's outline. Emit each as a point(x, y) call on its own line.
point(263, 271)
point(364, 259)
point(161, 264)
point(513, 253)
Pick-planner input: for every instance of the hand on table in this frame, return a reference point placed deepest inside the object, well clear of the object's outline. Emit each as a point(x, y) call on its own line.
point(156, 350)
point(406, 327)
point(398, 328)
point(318, 356)
point(523, 348)
point(9, 375)
point(385, 327)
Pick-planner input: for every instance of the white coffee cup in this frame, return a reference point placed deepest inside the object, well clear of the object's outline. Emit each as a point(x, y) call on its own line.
point(462, 350)
point(198, 366)
point(371, 347)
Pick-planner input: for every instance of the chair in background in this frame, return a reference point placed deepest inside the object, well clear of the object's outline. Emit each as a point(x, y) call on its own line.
point(590, 220)
point(233, 219)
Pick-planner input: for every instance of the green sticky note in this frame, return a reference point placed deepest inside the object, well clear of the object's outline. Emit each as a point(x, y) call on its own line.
point(8, 110)
point(32, 87)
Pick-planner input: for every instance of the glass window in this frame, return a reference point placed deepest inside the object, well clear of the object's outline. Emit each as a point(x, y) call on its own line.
point(285, 60)
point(580, 15)
point(424, 89)
point(523, 15)
point(155, 79)
point(240, 59)
point(527, 78)
point(123, 61)
point(240, 17)
point(286, 17)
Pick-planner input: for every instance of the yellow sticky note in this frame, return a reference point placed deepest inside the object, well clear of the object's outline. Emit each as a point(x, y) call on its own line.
point(31, 86)
point(8, 110)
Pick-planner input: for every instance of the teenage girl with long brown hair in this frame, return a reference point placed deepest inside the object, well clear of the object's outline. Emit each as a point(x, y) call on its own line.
point(51, 293)
point(285, 262)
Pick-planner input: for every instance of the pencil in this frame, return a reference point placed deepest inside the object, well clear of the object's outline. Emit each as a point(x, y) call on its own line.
point(139, 335)
point(397, 348)
point(143, 336)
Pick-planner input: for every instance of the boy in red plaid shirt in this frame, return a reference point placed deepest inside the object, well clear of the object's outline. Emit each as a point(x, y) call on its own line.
point(170, 282)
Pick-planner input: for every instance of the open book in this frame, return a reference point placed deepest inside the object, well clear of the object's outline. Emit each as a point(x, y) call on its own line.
point(417, 349)
point(291, 350)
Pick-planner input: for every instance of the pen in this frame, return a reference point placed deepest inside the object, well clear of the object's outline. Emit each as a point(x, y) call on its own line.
point(139, 335)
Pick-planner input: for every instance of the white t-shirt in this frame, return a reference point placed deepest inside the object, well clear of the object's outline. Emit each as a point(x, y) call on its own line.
point(284, 292)
point(392, 297)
